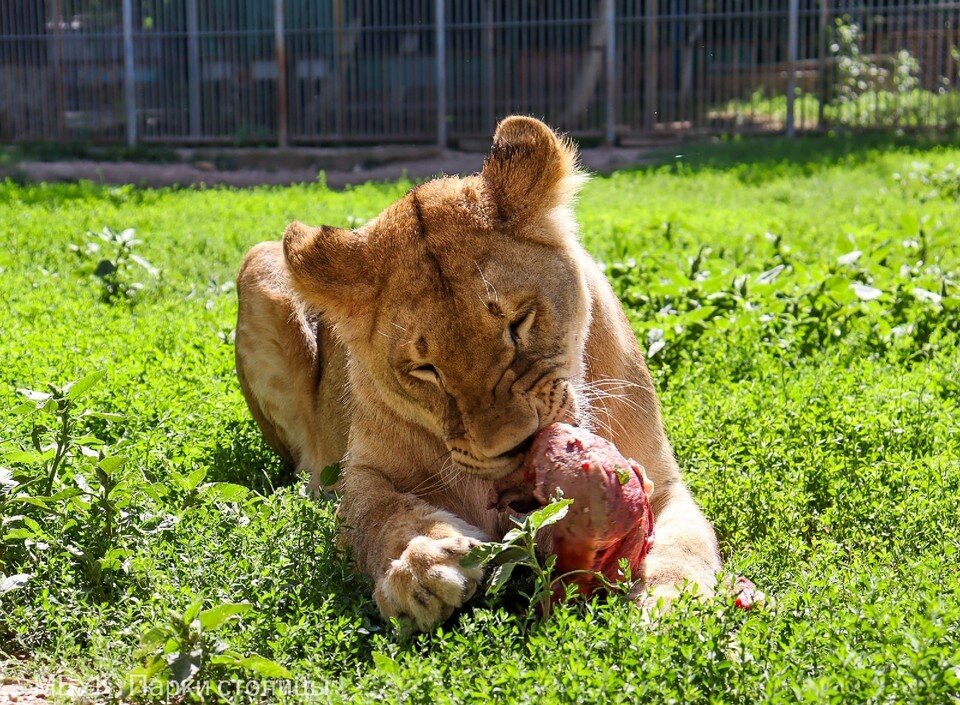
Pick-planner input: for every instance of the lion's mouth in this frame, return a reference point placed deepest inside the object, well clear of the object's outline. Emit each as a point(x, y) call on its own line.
point(518, 451)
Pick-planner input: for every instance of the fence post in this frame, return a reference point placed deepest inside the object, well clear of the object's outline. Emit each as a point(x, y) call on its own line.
point(58, 69)
point(487, 67)
point(650, 65)
point(610, 55)
point(193, 68)
point(441, 68)
point(793, 27)
point(822, 42)
point(281, 52)
point(129, 85)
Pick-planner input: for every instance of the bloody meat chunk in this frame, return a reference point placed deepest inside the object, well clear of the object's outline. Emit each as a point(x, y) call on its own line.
point(610, 517)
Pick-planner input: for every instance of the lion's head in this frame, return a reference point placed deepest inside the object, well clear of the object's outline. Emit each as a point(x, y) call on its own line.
point(463, 305)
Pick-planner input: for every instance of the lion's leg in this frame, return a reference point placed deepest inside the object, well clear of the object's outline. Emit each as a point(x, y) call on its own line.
point(282, 353)
point(412, 549)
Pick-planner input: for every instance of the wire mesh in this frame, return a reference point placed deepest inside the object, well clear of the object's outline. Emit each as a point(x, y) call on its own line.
point(263, 71)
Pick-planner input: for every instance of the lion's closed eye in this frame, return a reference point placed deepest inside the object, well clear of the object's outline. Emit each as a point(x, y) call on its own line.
point(520, 327)
point(426, 373)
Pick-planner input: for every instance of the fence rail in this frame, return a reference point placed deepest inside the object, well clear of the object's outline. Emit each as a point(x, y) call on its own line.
point(444, 71)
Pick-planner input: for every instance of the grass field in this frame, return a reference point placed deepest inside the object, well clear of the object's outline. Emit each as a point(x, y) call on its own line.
point(801, 303)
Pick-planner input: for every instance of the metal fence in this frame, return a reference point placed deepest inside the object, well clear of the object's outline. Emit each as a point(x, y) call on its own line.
point(443, 71)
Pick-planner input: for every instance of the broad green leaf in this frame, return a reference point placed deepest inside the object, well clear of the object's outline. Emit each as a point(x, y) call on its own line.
point(550, 514)
point(155, 490)
point(145, 264)
point(330, 475)
point(481, 554)
point(866, 293)
point(88, 452)
point(112, 463)
point(153, 637)
point(224, 492)
point(38, 502)
point(698, 315)
point(385, 664)
point(770, 276)
point(66, 493)
point(18, 535)
point(511, 554)
point(34, 395)
point(930, 297)
point(13, 582)
point(263, 666)
point(139, 678)
point(215, 617)
point(655, 347)
point(849, 258)
point(27, 457)
point(6, 478)
point(499, 577)
point(76, 389)
point(228, 658)
point(193, 609)
point(26, 407)
point(194, 479)
point(110, 562)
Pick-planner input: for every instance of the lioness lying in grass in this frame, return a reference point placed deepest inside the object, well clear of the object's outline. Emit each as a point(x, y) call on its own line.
point(427, 347)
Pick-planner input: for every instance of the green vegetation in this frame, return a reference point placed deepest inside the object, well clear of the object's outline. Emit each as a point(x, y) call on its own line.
point(913, 110)
point(801, 306)
point(860, 90)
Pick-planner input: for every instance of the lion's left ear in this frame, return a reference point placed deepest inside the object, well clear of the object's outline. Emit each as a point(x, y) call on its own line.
point(331, 267)
point(530, 170)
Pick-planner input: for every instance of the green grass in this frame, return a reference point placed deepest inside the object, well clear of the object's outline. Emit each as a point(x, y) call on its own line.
point(812, 401)
point(878, 109)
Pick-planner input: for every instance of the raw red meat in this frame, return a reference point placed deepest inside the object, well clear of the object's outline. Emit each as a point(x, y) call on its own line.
point(746, 595)
point(610, 517)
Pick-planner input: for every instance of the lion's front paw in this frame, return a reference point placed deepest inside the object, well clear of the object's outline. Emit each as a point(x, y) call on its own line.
point(658, 591)
point(427, 582)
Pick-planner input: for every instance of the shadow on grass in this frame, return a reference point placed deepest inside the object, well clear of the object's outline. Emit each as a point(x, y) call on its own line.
point(242, 456)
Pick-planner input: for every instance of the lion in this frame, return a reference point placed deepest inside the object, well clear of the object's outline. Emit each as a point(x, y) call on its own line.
point(425, 349)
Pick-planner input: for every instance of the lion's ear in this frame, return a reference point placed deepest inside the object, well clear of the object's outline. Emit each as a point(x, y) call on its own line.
point(330, 267)
point(530, 170)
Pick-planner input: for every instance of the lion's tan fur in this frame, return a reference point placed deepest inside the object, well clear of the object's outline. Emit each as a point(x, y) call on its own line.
point(335, 329)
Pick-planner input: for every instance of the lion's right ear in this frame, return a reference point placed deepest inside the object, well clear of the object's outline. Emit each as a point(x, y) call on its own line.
point(530, 170)
point(330, 267)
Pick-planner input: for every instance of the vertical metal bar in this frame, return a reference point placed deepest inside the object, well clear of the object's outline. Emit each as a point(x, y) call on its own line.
point(792, 30)
point(281, 55)
point(441, 70)
point(129, 85)
point(339, 94)
point(651, 70)
point(193, 69)
point(822, 48)
point(610, 20)
point(57, 70)
point(488, 65)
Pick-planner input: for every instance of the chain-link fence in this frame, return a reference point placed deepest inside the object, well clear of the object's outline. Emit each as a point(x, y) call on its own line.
point(444, 71)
